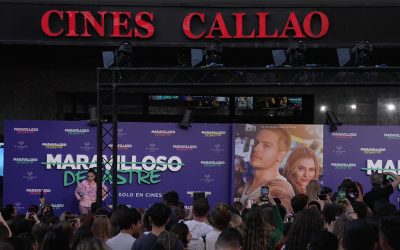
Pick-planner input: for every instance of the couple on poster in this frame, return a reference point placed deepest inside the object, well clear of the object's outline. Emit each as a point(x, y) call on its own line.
point(283, 158)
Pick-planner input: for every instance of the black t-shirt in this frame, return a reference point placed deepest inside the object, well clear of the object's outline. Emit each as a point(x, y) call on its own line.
point(377, 194)
point(147, 242)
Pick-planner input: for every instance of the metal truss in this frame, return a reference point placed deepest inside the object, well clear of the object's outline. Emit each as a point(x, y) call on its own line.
point(296, 76)
point(109, 80)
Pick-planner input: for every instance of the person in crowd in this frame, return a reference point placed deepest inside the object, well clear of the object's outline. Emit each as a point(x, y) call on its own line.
point(101, 227)
point(257, 234)
point(182, 231)
point(269, 150)
point(159, 214)
point(91, 244)
point(199, 226)
point(171, 198)
point(302, 166)
point(273, 218)
point(115, 218)
point(220, 218)
point(303, 225)
point(39, 231)
point(238, 206)
point(312, 190)
point(129, 224)
point(299, 202)
point(381, 188)
point(358, 235)
point(86, 192)
point(389, 231)
point(229, 239)
point(58, 237)
point(80, 234)
point(329, 213)
point(337, 228)
point(323, 240)
point(236, 222)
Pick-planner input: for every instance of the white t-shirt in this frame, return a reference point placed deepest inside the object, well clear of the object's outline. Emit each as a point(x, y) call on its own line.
point(198, 230)
point(211, 239)
point(121, 241)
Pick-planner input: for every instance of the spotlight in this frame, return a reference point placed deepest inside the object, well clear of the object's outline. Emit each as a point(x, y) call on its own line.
point(332, 121)
point(214, 54)
point(295, 54)
point(187, 117)
point(362, 54)
point(390, 107)
point(322, 108)
point(123, 55)
point(353, 106)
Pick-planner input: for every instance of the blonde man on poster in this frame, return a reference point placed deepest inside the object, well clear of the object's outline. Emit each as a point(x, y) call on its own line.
point(270, 148)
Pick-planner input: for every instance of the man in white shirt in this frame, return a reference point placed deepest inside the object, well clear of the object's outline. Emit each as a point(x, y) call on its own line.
point(129, 223)
point(199, 226)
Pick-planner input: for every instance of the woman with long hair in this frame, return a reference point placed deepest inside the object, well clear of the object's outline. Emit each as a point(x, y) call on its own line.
point(312, 190)
point(101, 227)
point(86, 192)
point(302, 166)
point(257, 234)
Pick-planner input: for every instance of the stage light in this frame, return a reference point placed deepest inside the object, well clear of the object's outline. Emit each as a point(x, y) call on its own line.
point(123, 55)
point(353, 106)
point(322, 108)
point(187, 117)
point(92, 116)
point(390, 107)
point(214, 54)
point(295, 54)
point(332, 121)
point(362, 54)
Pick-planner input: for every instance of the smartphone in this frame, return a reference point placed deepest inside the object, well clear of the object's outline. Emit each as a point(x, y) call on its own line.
point(341, 196)
point(41, 194)
point(264, 191)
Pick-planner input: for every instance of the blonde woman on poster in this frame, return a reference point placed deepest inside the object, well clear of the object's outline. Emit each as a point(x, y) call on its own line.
point(269, 150)
point(302, 166)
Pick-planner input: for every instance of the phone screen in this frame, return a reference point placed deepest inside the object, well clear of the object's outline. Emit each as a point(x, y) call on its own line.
point(341, 195)
point(264, 191)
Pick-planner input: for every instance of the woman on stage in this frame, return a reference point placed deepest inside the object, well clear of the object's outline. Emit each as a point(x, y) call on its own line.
point(85, 193)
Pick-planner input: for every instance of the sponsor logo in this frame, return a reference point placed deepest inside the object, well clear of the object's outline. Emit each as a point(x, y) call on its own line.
point(76, 131)
point(184, 147)
point(18, 206)
point(54, 145)
point(207, 179)
point(370, 151)
point(343, 165)
point(161, 132)
point(57, 206)
point(190, 193)
point(20, 160)
point(120, 132)
point(36, 191)
point(26, 130)
point(29, 176)
point(121, 146)
point(211, 164)
point(344, 135)
point(339, 150)
point(392, 136)
point(21, 145)
point(86, 147)
point(209, 133)
point(152, 148)
point(217, 149)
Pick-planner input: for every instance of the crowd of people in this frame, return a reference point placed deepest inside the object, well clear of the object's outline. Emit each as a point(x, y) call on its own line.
point(321, 220)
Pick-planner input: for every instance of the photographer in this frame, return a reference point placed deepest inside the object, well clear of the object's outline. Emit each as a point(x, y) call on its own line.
point(381, 188)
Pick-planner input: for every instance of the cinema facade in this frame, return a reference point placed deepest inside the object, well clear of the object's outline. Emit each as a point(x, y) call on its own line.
point(51, 51)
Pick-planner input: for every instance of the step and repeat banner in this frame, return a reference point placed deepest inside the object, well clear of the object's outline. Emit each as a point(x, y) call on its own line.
point(356, 151)
point(227, 161)
point(53, 156)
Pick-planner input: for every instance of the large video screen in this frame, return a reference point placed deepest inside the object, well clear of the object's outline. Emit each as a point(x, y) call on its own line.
point(269, 105)
point(175, 104)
